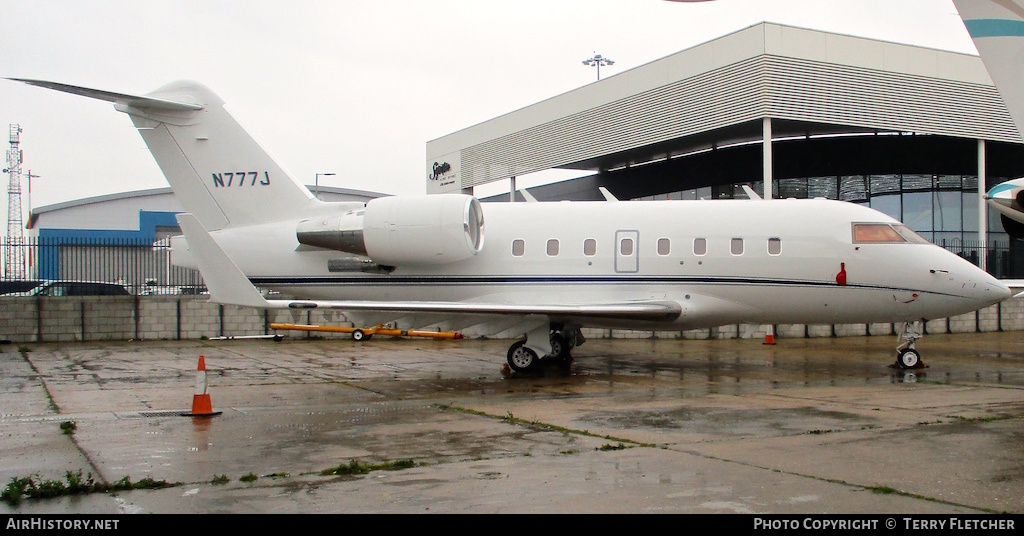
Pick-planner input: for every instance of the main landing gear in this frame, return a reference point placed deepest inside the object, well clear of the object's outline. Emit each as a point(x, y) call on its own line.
point(522, 358)
point(906, 356)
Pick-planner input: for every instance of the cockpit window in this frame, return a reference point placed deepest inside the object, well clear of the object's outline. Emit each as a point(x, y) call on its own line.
point(884, 233)
point(909, 235)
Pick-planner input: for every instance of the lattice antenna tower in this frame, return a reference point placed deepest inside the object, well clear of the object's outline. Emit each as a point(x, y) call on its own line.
point(14, 257)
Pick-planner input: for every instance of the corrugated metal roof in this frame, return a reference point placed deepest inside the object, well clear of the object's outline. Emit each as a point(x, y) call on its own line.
point(857, 84)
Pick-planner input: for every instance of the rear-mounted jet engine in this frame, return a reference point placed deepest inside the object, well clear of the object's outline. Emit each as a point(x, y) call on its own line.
point(403, 230)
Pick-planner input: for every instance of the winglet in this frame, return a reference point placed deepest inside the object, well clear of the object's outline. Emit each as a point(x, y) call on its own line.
point(222, 276)
point(527, 196)
point(751, 193)
point(607, 195)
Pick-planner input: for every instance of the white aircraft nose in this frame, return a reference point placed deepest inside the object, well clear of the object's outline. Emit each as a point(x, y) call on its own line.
point(1002, 290)
point(987, 289)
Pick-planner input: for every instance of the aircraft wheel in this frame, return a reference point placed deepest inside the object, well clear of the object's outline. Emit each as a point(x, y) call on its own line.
point(908, 358)
point(559, 347)
point(359, 335)
point(521, 358)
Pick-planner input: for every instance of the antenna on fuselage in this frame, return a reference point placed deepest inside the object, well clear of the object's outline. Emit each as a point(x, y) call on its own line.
point(751, 193)
point(526, 195)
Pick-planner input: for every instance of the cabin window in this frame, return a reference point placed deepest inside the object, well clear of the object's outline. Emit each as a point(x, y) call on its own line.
point(590, 247)
point(626, 247)
point(736, 246)
point(664, 246)
point(700, 246)
point(518, 247)
point(774, 246)
point(553, 247)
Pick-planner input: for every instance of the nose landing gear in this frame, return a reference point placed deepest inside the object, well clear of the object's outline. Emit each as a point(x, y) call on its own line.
point(907, 357)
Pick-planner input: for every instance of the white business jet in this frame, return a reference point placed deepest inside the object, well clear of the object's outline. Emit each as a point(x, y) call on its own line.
point(997, 29)
point(542, 270)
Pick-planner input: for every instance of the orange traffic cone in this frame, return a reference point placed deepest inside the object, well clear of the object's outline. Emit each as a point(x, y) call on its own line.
point(201, 404)
point(769, 337)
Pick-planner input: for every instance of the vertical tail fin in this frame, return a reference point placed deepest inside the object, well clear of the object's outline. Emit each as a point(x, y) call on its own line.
point(997, 29)
point(217, 170)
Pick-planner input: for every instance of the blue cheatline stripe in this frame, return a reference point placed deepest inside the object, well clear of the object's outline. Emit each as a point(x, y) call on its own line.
point(443, 281)
point(995, 28)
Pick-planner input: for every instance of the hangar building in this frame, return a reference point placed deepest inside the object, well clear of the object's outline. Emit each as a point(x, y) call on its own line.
point(122, 237)
point(904, 129)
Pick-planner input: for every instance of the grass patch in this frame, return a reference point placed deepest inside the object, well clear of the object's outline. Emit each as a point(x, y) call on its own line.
point(24, 349)
point(882, 490)
point(68, 427)
point(251, 477)
point(220, 479)
point(512, 419)
point(607, 447)
point(34, 487)
point(355, 468)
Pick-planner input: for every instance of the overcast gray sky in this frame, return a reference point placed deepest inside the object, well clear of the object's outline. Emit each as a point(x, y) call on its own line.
point(355, 87)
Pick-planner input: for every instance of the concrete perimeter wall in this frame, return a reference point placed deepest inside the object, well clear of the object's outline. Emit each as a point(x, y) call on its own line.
point(92, 318)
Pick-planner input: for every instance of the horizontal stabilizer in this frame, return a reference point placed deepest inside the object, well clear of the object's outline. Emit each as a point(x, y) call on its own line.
point(135, 101)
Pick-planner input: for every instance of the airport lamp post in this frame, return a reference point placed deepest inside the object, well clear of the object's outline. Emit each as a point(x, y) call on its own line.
point(316, 184)
point(598, 61)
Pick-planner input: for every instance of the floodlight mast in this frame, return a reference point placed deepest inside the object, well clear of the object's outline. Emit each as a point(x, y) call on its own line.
point(597, 61)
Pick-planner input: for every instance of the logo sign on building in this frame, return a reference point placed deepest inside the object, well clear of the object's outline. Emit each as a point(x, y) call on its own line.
point(443, 174)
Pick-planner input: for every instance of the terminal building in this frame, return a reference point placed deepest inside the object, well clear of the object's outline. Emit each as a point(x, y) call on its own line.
point(917, 133)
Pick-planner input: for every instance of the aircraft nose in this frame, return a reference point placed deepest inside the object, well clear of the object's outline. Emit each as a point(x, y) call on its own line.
point(1001, 290)
point(987, 289)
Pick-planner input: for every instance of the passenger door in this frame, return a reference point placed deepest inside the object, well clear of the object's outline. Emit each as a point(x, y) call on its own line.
point(626, 256)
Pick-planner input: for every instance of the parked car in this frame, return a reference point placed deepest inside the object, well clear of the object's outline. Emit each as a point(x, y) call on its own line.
point(79, 288)
point(18, 286)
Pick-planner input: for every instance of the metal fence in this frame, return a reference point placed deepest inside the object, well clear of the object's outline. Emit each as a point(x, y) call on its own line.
point(140, 266)
point(1004, 261)
point(144, 267)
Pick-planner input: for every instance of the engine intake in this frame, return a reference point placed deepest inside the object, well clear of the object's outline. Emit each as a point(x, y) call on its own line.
point(402, 230)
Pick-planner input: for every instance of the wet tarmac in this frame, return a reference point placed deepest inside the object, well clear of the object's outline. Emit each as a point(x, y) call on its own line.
point(816, 426)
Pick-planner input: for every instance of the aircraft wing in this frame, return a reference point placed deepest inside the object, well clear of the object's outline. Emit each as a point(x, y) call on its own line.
point(637, 310)
point(228, 285)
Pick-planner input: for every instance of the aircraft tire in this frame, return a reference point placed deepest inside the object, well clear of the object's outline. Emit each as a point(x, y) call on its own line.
point(908, 358)
point(522, 359)
point(559, 347)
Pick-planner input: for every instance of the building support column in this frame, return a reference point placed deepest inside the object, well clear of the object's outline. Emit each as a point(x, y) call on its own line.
point(512, 189)
point(982, 209)
point(766, 144)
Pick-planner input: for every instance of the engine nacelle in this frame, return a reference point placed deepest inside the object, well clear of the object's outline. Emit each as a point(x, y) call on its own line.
point(402, 230)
